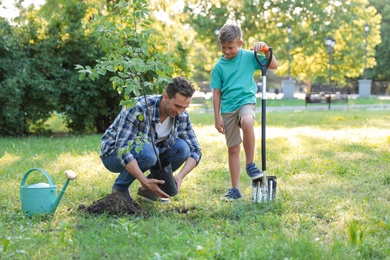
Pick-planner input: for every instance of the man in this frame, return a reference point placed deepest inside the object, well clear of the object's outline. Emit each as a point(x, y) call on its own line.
point(162, 120)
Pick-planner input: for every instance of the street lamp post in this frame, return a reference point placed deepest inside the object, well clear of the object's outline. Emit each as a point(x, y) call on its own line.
point(365, 84)
point(216, 38)
point(366, 29)
point(288, 85)
point(289, 31)
point(330, 42)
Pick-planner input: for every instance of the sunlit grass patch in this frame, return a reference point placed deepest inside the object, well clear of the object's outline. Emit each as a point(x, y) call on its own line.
point(8, 159)
point(332, 185)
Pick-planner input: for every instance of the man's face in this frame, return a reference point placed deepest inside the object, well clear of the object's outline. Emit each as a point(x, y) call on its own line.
point(176, 105)
point(230, 49)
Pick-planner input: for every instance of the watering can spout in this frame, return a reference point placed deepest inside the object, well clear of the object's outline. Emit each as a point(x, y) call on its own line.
point(70, 175)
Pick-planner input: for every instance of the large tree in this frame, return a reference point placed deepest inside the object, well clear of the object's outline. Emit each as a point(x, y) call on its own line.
point(27, 92)
point(311, 23)
point(88, 106)
point(381, 71)
point(40, 51)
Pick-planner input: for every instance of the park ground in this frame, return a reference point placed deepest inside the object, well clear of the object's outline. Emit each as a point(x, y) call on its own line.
point(332, 196)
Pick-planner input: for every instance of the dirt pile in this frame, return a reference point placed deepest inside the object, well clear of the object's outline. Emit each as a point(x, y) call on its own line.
point(113, 204)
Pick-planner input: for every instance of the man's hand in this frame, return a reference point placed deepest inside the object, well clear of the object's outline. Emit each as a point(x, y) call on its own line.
point(152, 185)
point(178, 181)
point(189, 165)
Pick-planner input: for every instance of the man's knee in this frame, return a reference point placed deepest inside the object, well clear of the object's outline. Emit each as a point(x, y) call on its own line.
point(182, 149)
point(146, 158)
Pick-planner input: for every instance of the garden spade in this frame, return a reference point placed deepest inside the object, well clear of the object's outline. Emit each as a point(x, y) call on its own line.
point(264, 189)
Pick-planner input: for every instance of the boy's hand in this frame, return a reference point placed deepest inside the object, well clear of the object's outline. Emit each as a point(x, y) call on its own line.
point(258, 46)
point(219, 125)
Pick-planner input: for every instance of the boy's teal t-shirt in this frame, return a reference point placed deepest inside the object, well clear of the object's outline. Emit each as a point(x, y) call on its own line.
point(235, 79)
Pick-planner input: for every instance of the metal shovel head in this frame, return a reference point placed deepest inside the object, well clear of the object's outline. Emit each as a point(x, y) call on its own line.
point(271, 181)
point(169, 187)
point(264, 190)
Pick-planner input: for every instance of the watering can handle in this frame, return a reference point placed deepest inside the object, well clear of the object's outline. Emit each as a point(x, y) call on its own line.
point(42, 171)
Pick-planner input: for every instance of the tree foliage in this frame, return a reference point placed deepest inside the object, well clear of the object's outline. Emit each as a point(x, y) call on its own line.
point(131, 55)
point(88, 106)
point(27, 93)
point(382, 55)
point(311, 23)
point(125, 46)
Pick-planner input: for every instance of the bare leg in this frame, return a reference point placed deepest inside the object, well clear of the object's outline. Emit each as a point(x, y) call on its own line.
point(248, 137)
point(234, 165)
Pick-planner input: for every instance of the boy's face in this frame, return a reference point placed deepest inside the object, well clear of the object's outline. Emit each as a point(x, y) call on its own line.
point(230, 49)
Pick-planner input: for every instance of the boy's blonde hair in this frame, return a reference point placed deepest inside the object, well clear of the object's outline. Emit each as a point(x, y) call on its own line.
point(229, 33)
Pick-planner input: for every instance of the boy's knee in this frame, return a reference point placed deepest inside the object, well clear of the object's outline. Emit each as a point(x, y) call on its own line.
point(234, 149)
point(246, 120)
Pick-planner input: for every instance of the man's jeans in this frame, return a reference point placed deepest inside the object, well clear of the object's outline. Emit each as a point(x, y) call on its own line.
point(146, 158)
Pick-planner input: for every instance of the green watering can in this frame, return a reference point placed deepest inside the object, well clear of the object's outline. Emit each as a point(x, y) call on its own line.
point(42, 197)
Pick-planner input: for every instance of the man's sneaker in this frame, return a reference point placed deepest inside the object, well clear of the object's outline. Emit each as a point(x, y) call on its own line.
point(150, 196)
point(253, 172)
point(232, 194)
point(125, 195)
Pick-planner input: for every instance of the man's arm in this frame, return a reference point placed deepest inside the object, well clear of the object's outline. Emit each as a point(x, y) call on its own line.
point(189, 165)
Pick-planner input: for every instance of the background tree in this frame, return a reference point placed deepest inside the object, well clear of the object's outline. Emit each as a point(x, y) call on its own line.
point(39, 51)
point(311, 23)
point(381, 71)
point(132, 55)
point(27, 93)
point(88, 106)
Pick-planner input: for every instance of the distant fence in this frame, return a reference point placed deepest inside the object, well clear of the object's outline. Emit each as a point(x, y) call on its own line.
point(380, 88)
point(377, 88)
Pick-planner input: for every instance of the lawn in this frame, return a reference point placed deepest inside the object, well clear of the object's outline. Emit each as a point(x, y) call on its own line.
point(332, 200)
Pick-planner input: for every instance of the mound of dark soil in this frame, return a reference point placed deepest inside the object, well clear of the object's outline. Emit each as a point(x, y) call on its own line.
point(114, 205)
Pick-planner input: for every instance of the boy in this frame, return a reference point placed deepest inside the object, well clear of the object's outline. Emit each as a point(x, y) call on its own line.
point(234, 100)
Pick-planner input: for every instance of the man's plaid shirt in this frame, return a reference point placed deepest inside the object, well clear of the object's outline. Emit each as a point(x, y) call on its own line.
point(128, 125)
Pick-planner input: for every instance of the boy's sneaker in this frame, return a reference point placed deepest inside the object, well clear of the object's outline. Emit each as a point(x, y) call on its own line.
point(232, 194)
point(253, 172)
point(150, 196)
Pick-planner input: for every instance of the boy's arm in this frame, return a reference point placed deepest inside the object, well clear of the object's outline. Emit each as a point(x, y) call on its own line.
point(258, 46)
point(218, 123)
point(274, 62)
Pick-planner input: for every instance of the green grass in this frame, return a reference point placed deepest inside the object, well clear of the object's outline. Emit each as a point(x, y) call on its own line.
point(332, 197)
point(301, 102)
point(298, 103)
